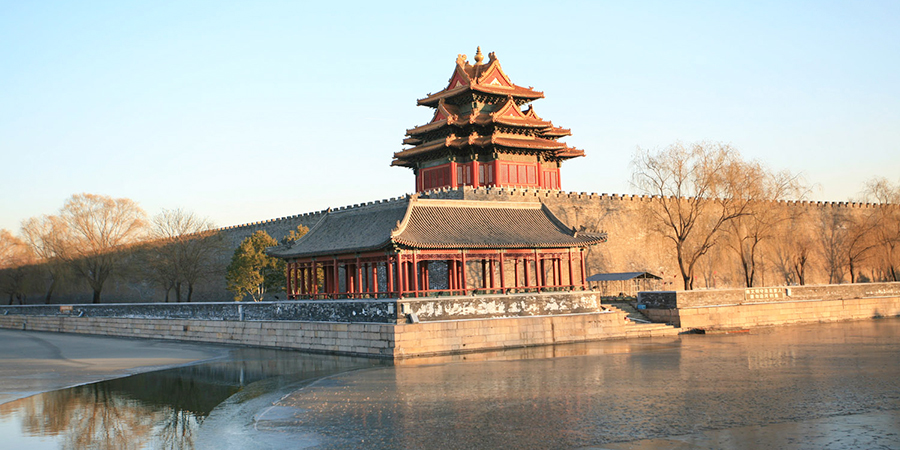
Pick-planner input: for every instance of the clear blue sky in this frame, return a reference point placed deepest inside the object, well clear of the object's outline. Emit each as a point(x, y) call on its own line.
point(245, 111)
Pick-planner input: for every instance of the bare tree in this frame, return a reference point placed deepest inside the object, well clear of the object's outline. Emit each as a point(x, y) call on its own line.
point(764, 213)
point(845, 241)
point(152, 264)
point(98, 229)
point(45, 236)
point(712, 268)
point(860, 241)
point(832, 241)
point(16, 267)
point(887, 225)
point(792, 245)
point(184, 250)
point(699, 188)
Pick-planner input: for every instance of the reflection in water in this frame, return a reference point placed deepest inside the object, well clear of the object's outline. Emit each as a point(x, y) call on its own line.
point(634, 391)
point(159, 409)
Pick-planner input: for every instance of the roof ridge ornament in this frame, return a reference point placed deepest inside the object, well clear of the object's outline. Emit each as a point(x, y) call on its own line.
point(479, 57)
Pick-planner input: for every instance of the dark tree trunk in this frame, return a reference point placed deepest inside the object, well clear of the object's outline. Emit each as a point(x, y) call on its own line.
point(50, 291)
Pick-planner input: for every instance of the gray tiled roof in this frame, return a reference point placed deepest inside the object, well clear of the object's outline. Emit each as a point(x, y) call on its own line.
point(437, 224)
point(469, 224)
point(350, 230)
point(622, 276)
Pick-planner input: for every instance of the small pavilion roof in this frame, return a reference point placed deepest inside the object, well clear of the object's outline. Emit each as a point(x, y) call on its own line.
point(436, 224)
point(622, 276)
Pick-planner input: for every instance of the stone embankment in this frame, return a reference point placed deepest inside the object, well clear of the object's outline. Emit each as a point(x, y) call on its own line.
point(388, 328)
point(770, 306)
point(411, 327)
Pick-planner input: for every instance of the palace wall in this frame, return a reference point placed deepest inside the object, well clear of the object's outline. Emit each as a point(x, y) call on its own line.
point(633, 244)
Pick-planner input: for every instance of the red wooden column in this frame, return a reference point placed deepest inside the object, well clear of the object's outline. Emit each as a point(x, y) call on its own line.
point(525, 266)
point(390, 275)
point(414, 275)
point(423, 277)
point(583, 277)
point(451, 275)
point(375, 277)
point(453, 175)
point(401, 276)
point(538, 273)
point(491, 266)
point(571, 276)
point(475, 181)
point(359, 281)
point(542, 277)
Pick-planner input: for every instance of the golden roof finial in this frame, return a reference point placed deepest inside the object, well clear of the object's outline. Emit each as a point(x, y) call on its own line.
point(478, 56)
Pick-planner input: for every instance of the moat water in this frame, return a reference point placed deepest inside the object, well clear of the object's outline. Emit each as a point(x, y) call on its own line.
point(812, 386)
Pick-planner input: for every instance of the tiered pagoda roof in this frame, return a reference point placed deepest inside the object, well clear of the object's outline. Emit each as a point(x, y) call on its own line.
point(479, 116)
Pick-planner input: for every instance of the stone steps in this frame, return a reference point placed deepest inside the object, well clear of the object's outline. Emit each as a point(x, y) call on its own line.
point(633, 313)
point(640, 329)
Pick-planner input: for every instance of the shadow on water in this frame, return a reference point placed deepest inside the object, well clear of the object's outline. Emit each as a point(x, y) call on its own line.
point(162, 409)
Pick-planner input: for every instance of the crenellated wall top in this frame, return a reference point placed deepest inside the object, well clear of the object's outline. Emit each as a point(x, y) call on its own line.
point(533, 194)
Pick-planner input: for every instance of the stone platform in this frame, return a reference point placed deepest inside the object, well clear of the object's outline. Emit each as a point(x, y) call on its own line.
point(374, 328)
